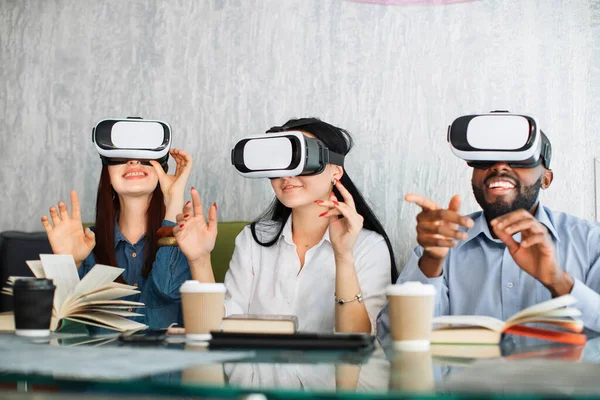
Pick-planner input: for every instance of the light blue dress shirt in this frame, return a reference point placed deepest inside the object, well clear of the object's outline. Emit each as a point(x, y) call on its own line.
point(159, 291)
point(481, 278)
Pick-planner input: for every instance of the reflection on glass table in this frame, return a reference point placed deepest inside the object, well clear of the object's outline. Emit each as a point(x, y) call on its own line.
point(384, 371)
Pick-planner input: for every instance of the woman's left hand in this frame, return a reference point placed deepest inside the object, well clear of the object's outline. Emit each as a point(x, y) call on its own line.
point(342, 231)
point(173, 186)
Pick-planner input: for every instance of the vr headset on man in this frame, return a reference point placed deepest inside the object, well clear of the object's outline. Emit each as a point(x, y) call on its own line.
point(485, 139)
point(133, 138)
point(282, 153)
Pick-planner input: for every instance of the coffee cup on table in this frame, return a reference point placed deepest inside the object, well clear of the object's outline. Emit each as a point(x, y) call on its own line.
point(33, 300)
point(411, 307)
point(203, 308)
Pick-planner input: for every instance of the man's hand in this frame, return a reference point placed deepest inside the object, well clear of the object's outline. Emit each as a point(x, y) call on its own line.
point(536, 254)
point(437, 231)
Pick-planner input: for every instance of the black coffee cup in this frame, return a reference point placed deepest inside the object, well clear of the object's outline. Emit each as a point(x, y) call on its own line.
point(33, 299)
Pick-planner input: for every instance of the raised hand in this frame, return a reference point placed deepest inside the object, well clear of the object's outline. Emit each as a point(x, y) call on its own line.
point(173, 186)
point(437, 231)
point(195, 237)
point(536, 253)
point(66, 234)
point(342, 231)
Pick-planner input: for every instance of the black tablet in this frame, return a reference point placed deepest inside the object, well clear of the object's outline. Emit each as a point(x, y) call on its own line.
point(299, 340)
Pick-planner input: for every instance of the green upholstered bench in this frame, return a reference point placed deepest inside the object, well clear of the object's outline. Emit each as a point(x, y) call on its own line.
point(221, 254)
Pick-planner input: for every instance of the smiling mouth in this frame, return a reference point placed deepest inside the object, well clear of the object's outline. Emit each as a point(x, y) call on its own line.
point(135, 175)
point(500, 185)
point(288, 188)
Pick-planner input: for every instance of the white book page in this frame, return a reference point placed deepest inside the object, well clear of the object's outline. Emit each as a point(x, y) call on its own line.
point(105, 303)
point(470, 320)
point(62, 270)
point(124, 312)
point(120, 313)
point(88, 322)
point(565, 323)
point(544, 307)
point(118, 285)
point(108, 320)
point(112, 285)
point(36, 268)
point(100, 275)
point(569, 312)
point(103, 295)
point(107, 307)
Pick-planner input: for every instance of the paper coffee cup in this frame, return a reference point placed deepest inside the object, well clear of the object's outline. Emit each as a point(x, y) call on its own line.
point(411, 307)
point(203, 308)
point(33, 300)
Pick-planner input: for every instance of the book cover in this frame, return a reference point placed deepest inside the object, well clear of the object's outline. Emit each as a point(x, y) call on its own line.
point(252, 323)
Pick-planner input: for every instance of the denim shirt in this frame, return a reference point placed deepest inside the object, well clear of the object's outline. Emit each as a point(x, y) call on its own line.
point(159, 291)
point(481, 278)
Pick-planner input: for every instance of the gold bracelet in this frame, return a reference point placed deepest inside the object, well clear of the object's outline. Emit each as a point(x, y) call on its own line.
point(167, 241)
point(341, 302)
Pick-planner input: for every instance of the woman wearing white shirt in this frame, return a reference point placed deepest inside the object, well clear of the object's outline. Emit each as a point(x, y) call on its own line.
point(312, 255)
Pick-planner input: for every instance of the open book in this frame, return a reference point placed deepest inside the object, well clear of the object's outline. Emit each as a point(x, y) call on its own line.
point(93, 300)
point(555, 313)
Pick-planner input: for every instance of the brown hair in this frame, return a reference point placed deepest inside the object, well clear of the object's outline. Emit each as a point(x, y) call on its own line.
point(107, 209)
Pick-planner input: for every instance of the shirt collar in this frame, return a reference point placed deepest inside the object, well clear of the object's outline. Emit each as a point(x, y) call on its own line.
point(119, 237)
point(480, 226)
point(544, 215)
point(286, 233)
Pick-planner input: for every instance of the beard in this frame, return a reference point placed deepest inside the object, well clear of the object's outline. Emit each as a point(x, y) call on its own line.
point(526, 198)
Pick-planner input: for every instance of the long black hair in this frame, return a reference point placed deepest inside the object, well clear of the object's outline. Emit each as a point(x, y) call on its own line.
point(339, 141)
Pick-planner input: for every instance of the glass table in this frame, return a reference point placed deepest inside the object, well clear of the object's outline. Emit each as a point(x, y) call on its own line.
point(518, 367)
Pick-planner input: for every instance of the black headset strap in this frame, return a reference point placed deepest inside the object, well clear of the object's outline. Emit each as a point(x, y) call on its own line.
point(289, 127)
point(546, 151)
point(331, 157)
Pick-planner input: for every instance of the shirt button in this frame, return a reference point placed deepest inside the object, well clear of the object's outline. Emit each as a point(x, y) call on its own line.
point(134, 255)
point(135, 284)
point(130, 309)
point(509, 285)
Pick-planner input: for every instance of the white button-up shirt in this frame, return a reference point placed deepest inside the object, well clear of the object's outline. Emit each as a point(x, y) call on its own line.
point(269, 280)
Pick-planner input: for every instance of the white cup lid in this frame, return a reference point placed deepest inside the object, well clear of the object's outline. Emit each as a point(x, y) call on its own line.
point(198, 287)
point(411, 289)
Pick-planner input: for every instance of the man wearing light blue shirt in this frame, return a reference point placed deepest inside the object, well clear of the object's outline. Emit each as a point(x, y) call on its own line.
point(512, 255)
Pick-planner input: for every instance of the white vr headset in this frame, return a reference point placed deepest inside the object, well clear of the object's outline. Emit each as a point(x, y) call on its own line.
point(483, 140)
point(289, 153)
point(133, 138)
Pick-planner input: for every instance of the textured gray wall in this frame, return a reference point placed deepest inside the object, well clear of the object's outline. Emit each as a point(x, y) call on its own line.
point(216, 70)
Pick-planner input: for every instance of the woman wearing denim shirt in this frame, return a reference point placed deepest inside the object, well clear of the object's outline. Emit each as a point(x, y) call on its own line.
point(134, 200)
